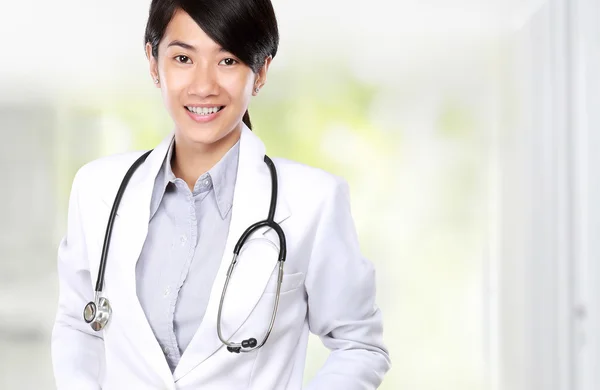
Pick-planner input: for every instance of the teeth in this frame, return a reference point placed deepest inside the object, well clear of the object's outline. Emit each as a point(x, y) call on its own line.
point(203, 110)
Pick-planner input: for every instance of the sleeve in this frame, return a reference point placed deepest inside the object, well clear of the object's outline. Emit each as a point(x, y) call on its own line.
point(77, 350)
point(340, 285)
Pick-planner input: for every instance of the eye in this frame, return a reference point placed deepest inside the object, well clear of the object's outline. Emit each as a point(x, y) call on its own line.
point(228, 62)
point(181, 58)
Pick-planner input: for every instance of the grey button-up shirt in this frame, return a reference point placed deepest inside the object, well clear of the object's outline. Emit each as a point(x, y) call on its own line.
point(183, 250)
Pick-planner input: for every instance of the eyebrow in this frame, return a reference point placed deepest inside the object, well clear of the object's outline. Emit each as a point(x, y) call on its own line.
point(182, 44)
point(187, 46)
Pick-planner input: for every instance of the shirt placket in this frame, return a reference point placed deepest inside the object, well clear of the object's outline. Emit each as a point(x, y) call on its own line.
point(183, 251)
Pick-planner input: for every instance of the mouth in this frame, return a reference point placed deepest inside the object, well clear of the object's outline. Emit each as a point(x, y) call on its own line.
point(204, 111)
point(203, 114)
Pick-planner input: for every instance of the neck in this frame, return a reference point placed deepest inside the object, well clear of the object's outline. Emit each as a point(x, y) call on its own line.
point(192, 160)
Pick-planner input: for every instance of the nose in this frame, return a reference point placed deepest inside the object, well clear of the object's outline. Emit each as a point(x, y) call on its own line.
point(204, 82)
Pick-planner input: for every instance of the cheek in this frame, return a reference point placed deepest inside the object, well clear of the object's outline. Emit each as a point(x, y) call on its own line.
point(238, 86)
point(174, 82)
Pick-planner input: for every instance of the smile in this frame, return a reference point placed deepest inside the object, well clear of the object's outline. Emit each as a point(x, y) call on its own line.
point(204, 114)
point(204, 110)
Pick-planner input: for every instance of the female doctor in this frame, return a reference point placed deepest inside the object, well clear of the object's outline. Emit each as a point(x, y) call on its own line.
point(162, 285)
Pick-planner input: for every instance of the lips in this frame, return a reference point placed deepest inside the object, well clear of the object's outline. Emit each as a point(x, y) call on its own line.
point(204, 114)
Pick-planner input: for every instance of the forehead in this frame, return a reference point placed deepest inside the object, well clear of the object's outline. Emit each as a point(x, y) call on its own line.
point(183, 28)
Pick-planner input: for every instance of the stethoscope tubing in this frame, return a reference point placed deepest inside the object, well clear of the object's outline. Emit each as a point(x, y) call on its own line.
point(111, 220)
point(98, 312)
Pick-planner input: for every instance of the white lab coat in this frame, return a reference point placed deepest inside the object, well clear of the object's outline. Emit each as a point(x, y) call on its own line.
point(328, 287)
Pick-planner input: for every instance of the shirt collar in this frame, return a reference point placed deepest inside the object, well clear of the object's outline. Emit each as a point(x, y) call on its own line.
point(221, 177)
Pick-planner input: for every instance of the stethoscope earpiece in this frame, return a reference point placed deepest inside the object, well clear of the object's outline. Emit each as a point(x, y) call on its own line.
point(250, 343)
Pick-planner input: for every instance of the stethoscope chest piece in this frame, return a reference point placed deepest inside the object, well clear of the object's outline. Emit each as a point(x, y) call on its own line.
point(97, 313)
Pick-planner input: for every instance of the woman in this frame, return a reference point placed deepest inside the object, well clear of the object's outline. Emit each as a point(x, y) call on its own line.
point(177, 225)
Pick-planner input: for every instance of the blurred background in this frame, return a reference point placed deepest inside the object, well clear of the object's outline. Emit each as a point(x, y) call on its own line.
point(468, 131)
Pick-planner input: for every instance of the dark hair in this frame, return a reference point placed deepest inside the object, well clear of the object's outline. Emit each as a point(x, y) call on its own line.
point(246, 28)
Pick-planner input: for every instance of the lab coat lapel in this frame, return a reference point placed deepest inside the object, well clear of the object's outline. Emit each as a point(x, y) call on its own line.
point(256, 261)
point(127, 240)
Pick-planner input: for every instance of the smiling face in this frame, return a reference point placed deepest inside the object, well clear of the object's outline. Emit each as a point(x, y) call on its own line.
point(206, 89)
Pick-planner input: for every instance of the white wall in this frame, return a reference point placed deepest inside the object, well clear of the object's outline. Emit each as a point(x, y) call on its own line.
point(547, 304)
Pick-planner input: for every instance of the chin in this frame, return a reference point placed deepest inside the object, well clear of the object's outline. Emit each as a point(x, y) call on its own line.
point(206, 135)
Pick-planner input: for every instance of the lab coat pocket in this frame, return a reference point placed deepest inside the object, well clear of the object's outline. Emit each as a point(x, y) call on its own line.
point(290, 282)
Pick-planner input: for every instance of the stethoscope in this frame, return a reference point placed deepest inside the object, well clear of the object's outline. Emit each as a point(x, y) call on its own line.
point(98, 312)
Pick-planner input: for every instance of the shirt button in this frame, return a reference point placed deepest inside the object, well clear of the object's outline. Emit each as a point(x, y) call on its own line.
point(167, 291)
point(183, 239)
point(205, 182)
point(167, 350)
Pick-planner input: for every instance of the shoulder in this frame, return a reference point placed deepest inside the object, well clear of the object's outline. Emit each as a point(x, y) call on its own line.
point(309, 184)
point(105, 166)
point(290, 170)
point(104, 172)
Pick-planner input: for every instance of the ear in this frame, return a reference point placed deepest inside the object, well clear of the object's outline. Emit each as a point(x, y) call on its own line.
point(153, 63)
point(261, 76)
